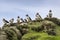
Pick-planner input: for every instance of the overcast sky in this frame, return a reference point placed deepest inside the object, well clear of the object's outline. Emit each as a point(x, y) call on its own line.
point(13, 8)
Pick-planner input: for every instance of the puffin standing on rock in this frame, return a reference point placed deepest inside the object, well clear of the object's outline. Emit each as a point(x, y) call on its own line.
point(5, 21)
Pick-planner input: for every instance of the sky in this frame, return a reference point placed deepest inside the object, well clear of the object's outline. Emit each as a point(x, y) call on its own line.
point(13, 8)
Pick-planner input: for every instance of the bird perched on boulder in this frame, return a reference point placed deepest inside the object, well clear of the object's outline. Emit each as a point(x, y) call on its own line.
point(28, 18)
point(12, 20)
point(38, 17)
point(18, 19)
point(5, 21)
point(21, 20)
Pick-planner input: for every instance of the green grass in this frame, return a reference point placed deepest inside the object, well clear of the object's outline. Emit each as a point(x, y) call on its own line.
point(39, 36)
point(32, 35)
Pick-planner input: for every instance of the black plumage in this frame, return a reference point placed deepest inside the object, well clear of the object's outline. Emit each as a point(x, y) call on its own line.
point(5, 21)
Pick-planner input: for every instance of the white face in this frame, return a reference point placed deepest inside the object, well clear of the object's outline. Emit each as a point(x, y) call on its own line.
point(18, 19)
point(38, 16)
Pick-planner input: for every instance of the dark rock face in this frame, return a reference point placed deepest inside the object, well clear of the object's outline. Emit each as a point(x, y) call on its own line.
point(14, 32)
point(52, 32)
point(3, 35)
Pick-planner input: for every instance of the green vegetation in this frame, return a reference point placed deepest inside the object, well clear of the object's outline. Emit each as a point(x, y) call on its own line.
point(33, 31)
point(38, 29)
